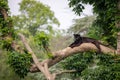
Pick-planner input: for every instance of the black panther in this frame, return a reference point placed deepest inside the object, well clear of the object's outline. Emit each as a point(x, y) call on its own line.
point(78, 40)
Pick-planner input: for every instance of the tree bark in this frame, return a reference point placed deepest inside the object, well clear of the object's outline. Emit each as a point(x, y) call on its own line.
point(62, 54)
point(43, 68)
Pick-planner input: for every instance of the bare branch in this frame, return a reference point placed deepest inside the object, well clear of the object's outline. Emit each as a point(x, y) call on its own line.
point(43, 68)
point(31, 52)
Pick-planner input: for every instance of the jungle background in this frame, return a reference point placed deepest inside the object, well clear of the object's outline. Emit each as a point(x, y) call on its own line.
point(36, 22)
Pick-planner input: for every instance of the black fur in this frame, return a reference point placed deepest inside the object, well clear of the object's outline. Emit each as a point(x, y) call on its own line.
point(78, 40)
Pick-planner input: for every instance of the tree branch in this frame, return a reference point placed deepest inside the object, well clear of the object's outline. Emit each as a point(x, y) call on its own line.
point(31, 52)
point(62, 54)
point(43, 68)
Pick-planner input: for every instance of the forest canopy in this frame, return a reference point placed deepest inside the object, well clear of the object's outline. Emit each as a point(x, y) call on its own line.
point(29, 43)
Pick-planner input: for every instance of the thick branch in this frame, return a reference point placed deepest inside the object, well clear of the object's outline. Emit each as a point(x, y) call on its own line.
point(62, 54)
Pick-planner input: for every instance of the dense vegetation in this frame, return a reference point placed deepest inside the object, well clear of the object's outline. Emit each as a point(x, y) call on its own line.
point(20, 61)
point(107, 16)
point(91, 66)
point(37, 27)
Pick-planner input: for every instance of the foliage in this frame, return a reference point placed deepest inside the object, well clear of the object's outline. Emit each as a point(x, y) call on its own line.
point(108, 68)
point(79, 63)
point(6, 31)
point(90, 66)
point(6, 43)
point(107, 16)
point(5, 69)
point(105, 67)
point(94, 32)
point(81, 25)
point(35, 16)
point(6, 38)
point(40, 18)
point(42, 39)
point(95, 74)
point(20, 63)
point(4, 3)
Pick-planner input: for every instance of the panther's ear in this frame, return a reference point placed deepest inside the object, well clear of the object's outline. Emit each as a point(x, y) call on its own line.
point(76, 35)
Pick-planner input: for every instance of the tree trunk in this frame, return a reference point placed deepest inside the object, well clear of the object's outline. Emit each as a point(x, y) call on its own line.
point(118, 26)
